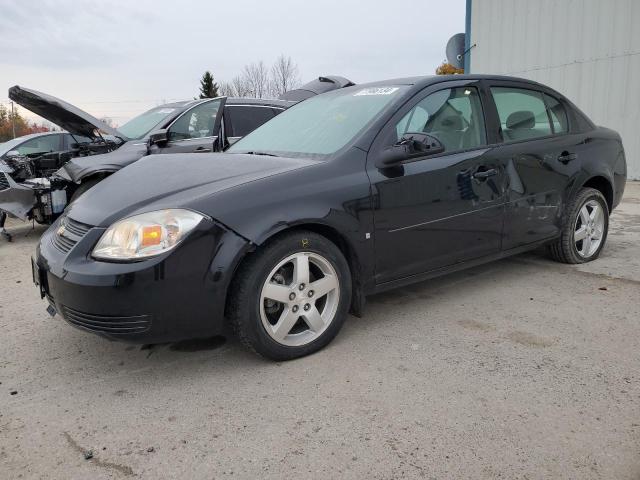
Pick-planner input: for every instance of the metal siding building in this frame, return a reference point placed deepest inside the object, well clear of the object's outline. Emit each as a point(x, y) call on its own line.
point(589, 50)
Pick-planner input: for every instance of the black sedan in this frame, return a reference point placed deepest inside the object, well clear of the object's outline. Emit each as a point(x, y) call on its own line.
point(347, 194)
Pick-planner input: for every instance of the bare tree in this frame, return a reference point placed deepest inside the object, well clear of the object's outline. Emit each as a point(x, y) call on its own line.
point(237, 87)
point(258, 81)
point(256, 77)
point(226, 89)
point(284, 76)
point(240, 86)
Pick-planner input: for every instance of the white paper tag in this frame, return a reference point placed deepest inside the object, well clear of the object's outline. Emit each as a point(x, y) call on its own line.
point(376, 91)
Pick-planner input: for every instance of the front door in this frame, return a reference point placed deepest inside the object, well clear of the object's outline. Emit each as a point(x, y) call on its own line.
point(439, 210)
point(196, 130)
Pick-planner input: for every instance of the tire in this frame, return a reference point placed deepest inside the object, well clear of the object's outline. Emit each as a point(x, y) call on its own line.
point(568, 249)
point(84, 186)
point(283, 330)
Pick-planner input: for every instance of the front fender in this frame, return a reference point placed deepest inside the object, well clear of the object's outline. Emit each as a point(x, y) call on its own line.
point(332, 196)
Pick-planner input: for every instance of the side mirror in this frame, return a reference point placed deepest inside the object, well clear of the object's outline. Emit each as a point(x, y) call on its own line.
point(159, 137)
point(12, 153)
point(411, 145)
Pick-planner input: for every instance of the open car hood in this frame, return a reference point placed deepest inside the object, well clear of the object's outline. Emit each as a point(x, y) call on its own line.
point(63, 114)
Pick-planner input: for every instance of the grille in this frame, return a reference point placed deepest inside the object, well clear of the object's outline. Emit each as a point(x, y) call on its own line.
point(77, 228)
point(68, 234)
point(107, 323)
point(4, 182)
point(63, 243)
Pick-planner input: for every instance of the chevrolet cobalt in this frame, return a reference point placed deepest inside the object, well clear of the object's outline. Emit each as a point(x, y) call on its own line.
point(344, 195)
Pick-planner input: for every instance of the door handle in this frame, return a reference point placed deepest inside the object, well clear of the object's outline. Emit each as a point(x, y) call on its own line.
point(484, 174)
point(202, 150)
point(565, 157)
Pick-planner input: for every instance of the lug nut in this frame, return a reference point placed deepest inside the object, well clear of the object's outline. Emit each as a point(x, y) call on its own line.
point(292, 296)
point(306, 307)
point(294, 309)
point(301, 286)
point(310, 293)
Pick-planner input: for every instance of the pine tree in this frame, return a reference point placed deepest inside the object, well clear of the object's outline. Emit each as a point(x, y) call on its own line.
point(208, 88)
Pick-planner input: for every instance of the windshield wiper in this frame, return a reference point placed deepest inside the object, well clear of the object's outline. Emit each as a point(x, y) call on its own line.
point(261, 153)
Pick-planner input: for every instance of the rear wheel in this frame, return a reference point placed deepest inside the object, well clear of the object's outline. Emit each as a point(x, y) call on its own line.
point(584, 230)
point(291, 297)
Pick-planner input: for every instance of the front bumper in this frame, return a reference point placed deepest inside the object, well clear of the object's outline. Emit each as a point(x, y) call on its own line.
point(175, 296)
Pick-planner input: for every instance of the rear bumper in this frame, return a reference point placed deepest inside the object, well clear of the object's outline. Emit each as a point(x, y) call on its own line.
point(171, 297)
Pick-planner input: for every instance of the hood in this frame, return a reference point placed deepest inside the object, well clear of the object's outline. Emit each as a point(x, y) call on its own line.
point(61, 113)
point(174, 181)
point(78, 168)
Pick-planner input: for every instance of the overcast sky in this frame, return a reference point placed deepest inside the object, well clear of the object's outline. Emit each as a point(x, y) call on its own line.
point(119, 58)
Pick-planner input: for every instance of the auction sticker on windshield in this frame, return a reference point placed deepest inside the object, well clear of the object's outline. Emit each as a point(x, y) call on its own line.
point(376, 91)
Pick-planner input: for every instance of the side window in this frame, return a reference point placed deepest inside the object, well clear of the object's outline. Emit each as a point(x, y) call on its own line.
point(72, 140)
point(454, 116)
point(558, 114)
point(245, 120)
point(196, 123)
point(46, 144)
point(522, 112)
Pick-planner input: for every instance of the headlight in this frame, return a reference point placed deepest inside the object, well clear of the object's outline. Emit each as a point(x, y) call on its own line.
point(146, 235)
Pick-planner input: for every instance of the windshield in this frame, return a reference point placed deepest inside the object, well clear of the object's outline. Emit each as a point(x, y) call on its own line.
point(321, 125)
point(139, 126)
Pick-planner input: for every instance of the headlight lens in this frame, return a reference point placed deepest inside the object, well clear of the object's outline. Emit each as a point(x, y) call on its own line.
point(146, 235)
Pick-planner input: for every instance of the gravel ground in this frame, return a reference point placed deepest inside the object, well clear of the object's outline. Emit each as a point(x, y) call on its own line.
point(522, 368)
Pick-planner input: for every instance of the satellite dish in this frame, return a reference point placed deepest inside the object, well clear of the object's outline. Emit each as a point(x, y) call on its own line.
point(455, 50)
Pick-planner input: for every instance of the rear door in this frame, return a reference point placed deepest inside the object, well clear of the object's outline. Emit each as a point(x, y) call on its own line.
point(539, 156)
point(439, 210)
point(197, 129)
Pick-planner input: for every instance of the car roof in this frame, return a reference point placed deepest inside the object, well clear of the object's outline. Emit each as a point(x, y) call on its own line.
point(39, 134)
point(423, 81)
point(233, 101)
point(260, 102)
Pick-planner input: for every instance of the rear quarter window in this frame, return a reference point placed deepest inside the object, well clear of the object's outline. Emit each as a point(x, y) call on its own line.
point(558, 114)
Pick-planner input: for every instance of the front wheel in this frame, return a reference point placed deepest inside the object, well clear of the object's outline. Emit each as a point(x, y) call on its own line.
point(584, 230)
point(291, 297)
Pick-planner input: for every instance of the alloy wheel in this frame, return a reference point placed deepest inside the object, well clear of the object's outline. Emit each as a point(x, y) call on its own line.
point(299, 299)
point(589, 228)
